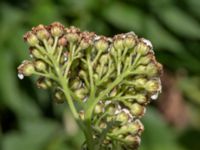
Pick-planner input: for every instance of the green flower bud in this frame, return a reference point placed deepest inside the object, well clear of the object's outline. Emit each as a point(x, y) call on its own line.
point(141, 48)
point(59, 97)
point(101, 44)
point(75, 84)
point(153, 86)
point(151, 70)
point(103, 125)
point(111, 108)
point(40, 65)
point(129, 40)
point(134, 141)
point(31, 39)
point(56, 29)
point(141, 99)
point(137, 110)
point(118, 42)
point(104, 59)
point(99, 108)
point(41, 32)
point(81, 93)
point(140, 82)
point(135, 127)
point(144, 60)
point(50, 41)
point(72, 34)
point(122, 117)
point(44, 83)
point(35, 53)
point(26, 68)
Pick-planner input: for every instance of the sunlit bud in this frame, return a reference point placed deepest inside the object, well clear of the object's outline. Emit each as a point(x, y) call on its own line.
point(122, 117)
point(56, 29)
point(81, 93)
point(35, 53)
point(72, 34)
point(44, 83)
point(40, 65)
point(99, 108)
point(31, 38)
point(137, 110)
point(152, 86)
point(141, 48)
point(129, 40)
point(118, 42)
point(41, 32)
point(26, 68)
point(101, 43)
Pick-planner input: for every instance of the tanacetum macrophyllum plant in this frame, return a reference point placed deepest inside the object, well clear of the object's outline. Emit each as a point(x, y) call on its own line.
point(107, 82)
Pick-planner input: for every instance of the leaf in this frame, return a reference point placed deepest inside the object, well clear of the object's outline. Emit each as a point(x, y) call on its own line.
point(193, 6)
point(157, 134)
point(123, 16)
point(180, 22)
point(191, 88)
point(160, 38)
point(15, 99)
point(34, 136)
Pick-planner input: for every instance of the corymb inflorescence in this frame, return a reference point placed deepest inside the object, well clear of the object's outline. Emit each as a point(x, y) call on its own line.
point(107, 82)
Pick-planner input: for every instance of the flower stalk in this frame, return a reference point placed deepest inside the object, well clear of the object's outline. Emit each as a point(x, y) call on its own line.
point(107, 82)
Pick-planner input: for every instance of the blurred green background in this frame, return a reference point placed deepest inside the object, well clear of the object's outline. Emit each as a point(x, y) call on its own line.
point(29, 120)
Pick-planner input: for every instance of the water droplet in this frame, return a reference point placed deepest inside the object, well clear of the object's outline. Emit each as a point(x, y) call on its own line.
point(155, 96)
point(65, 58)
point(20, 76)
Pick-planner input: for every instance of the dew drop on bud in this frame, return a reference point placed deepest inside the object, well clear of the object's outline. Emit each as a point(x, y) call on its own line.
point(20, 76)
point(154, 96)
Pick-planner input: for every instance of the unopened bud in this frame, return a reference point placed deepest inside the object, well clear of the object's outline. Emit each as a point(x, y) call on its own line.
point(98, 108)
point(56, 29)
point(141, 48)
point(137, 110)
point(41, 32)
point(58, 97)
point(129, 40)
point(31, 38)
point(81, 93)
point(44, 83)
point(35, 53)
point(40, 65)
point(122, 117)
point(118, 42)
point(72, 34)
point(26, 68)
point(152, 86)
point(101, 44)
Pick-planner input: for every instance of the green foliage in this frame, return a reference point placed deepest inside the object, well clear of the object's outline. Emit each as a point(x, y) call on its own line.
point(171, 25)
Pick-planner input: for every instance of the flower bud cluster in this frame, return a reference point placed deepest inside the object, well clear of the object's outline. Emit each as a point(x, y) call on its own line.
point(121, 73)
